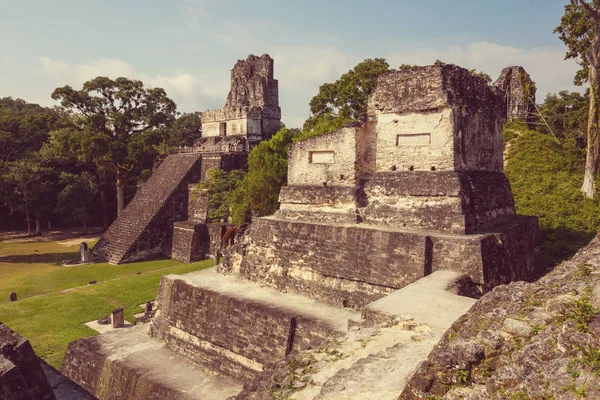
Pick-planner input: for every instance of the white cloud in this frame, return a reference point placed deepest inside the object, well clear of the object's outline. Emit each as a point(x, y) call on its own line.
point(187, 91)
point(302, 68)
point(546, 65)
point(195, 10)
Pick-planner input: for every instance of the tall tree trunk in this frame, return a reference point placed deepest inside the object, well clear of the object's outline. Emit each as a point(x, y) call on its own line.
point(28, 220)
point(38, 226)
point(593, 135)
point(120, 191)
point(103, 205)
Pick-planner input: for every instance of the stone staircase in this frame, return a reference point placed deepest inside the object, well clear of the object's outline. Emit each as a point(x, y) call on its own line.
point(214, 335)
point(139, 233)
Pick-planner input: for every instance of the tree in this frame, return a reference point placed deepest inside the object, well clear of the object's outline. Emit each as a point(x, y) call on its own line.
point(219, 185)
point(258, 194)
point(30, 187)
point(347, 97)
point(114, 112)
point(579, 29)
point(566, 116)
point(186, 129)
point(76, 199)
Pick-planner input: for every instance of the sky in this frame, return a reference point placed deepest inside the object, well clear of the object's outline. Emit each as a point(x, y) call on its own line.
point(188, 47)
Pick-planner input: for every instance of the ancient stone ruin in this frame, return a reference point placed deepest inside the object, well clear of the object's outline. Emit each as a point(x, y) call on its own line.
point(21, 374)
point(167, 217)
point(519, 93)
point(378, 221)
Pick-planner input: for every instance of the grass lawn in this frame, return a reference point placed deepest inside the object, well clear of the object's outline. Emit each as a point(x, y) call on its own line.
point(49, 315)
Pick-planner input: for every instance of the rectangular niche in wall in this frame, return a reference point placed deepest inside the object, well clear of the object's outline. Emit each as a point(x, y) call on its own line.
point(321, 157)
point(413, 139)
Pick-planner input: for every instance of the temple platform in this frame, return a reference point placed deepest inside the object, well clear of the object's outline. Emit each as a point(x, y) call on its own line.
point(128, 364)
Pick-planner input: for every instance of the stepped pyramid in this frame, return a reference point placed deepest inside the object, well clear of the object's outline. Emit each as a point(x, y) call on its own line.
point(377, 221)
point(139, 231)
point(166, 217)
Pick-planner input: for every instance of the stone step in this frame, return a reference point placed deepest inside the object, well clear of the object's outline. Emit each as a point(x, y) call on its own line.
point(236, 326)
point(376, 362)
point(155, 204)
point(136, 367)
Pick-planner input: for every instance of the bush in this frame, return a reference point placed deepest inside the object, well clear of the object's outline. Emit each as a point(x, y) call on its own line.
point(258, 193)
point(546, 178)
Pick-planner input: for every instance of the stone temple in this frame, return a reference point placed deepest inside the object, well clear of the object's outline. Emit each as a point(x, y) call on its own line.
point(378, 219)
point(167, 217)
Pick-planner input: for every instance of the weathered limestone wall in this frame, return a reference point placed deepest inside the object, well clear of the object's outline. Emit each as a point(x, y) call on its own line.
point(128, 364)
point(408, 102)
point(352, 265)
point(21, 375)
point(519, 93)
point(318, 203)
point(230, 333)
point(191, 242)
point(197, 204)
point(417, 140)
point(252, 107)
point(331, 159)
point(457, 202)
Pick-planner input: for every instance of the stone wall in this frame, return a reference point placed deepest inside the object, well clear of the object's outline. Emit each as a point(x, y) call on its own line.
point(416, 141)
point(461, 114)
point(233, 335)
point(351, 265)
point(21, 374)
point(331, 159)
point(519, 93)
point(191, 242)
point(457, 202)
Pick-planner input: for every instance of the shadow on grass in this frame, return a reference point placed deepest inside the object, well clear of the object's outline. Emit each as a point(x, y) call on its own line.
point(560, 244)
point(42, 258)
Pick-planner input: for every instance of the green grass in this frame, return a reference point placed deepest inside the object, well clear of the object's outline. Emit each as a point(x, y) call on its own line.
point(34, 268)
point(50, 316)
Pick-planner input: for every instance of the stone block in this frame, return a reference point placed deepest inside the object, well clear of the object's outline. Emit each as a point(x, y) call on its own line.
point(118, 318)
point(127, 364)
point(21, 374)
point(235, 326)
point(350, 265)
point(437, 116)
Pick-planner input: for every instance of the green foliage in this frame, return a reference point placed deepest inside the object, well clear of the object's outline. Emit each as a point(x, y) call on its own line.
point(347, 97)
point(186, 129)
point(567, 114)
point(29, 187)
point(545, 177)
point(112, 114)
point(220, 185)
point(24, 127)
point(576, 30)
point(581, 311)
point(258, 194)
point(76, 199)
point(463, 377)
point(482, 75)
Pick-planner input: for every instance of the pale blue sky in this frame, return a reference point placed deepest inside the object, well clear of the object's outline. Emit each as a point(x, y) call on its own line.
point(189, 46)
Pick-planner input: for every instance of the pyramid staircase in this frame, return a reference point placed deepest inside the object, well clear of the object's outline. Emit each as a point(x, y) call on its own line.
point(139, 231)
